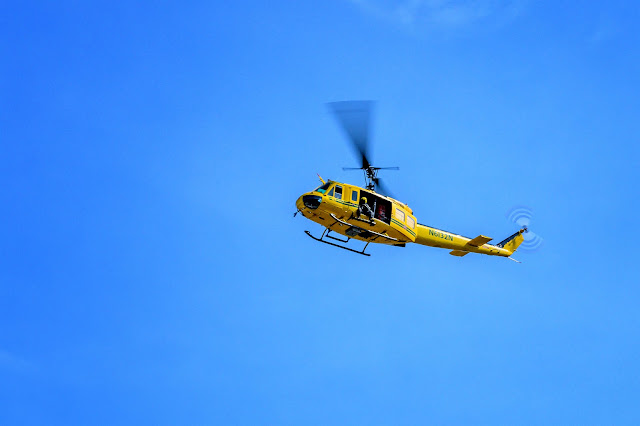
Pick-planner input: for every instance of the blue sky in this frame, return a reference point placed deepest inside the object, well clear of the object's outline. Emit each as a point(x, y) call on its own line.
point(151, 271)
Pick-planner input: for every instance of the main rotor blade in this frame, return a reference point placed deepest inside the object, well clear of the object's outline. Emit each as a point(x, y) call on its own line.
point(351, 168)
point(355, 117)
point(382, 188)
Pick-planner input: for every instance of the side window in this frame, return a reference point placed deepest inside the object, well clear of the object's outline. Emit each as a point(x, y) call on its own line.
point(411, 222)
point(354, 196)
point(400, 215)
point(338, 192)
point(330, 194)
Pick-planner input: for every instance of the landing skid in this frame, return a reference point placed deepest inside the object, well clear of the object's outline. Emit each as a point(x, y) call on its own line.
point(337, 245)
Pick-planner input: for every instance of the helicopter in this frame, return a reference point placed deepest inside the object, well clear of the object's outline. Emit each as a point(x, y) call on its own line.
point(369, 214)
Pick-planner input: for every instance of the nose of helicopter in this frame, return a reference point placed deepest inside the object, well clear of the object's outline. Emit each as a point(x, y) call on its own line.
point(309, 201)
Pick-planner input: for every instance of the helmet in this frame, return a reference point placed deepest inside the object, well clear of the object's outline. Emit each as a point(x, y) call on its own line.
point(364, 200)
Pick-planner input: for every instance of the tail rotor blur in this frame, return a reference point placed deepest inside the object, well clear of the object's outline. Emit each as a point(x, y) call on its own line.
point(522, 216)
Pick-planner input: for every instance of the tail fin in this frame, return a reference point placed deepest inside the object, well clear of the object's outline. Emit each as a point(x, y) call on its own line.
point(513, 242)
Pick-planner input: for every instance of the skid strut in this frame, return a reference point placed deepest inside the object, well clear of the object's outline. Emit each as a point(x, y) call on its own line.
point(337, 239)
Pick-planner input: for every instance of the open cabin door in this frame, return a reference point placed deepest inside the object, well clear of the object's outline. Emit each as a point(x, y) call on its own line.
point(380, 207)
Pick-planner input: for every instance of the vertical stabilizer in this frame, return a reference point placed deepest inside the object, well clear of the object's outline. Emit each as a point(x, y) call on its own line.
point(513, 242)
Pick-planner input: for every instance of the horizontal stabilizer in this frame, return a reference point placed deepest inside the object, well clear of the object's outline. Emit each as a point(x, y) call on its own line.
point(479, 241)
point(458, 252)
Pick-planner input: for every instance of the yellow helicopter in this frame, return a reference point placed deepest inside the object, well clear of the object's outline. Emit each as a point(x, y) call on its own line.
point(368, 215)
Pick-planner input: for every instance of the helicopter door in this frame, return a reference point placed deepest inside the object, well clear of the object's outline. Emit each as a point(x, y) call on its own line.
point(338, 192)
point(354, 196)
point(338, 195)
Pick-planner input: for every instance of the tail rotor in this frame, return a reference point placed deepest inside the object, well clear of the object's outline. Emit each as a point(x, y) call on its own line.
point(522, 216)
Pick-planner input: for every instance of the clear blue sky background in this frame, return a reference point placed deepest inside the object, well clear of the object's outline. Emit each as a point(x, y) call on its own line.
point(150, 268)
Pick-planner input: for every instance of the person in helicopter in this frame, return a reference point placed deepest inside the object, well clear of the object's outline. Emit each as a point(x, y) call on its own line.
point(382, 213)
point(365, 209)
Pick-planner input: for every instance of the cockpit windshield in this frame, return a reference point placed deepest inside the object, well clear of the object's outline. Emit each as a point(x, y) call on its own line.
point(323, 188)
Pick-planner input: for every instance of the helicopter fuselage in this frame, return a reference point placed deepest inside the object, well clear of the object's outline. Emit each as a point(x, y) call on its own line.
point(340, 208)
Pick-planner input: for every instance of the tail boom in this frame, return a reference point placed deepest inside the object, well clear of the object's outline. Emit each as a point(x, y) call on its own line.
point(461, 245)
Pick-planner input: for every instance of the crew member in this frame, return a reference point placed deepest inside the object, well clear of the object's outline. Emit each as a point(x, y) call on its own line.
point(364, 208)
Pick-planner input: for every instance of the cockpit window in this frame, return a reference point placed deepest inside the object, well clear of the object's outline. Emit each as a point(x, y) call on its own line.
point(323, 188)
